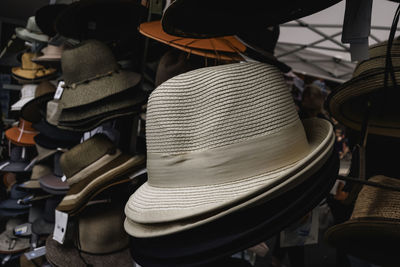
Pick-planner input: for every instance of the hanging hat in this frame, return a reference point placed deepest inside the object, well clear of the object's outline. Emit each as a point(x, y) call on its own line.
point(348, 102)
point(22, 134)
point(372, 231)
point(100, 240)
point(31, 32)
point(33, 109)
point(20, 157)
point(53, 183)
point(211, 146)
point(92, 166)
point(50, 53)
point(98, 78)
point(222, 48)
point(10, 244)
point(27, 94)
point(38, 171)
point(100, 19)
point(207, 18)
point(46, 17)
point(220, 237)
point(31, 72)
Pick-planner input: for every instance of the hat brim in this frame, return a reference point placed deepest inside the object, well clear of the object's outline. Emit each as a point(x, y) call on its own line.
point(24, 139)
point(53, 144)
point(252, 225)
point(14, 166)
point(371, 240)
point(26, 35)
point(21, 243)
point(53, 184)
point(160, 205)
point(347, 103)
point(31, 184)
point(12, 204)
point(21, 103)
point(207, 18)
point(24, 80)
point(34, 109)
point(52, 131)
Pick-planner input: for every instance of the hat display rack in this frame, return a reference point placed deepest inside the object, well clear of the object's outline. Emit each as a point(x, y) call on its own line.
point(162, 133)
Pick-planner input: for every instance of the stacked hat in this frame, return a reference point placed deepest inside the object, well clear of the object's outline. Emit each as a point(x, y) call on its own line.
point(31, 32)
point(30, 72)
point(12, 206)
point(95, 90)
point(220, 140)
point(11, 244)
point(27, 94)
point(222, 48)
point(19, 159)
point(93, 166)
point(53, 183)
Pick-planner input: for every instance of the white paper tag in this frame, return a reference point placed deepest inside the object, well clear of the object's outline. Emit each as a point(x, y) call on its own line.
point(60, 227)
point(60, 90)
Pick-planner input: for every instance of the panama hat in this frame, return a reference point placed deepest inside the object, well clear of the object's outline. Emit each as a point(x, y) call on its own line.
point(46, 17)
point(103, 20)
point(245, 148)
point(31, 111)
point(31, 32)
point(30, 72)
point(223, 48)
point(99, 240)
point(22, 134)
point(27, 94)
point(10, 244)
point(207, 18)
point(371, 233)
point(98, 78)
point(93, 166)
point(348, 102)
point(252, 225)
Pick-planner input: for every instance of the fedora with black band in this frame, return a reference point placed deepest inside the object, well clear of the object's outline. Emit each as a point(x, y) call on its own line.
point(253, 224)
point(100, 240)
point(372, 231)
point(91, 167)
point(104, 20)
point(208, 18)
point(30, 72)
point(348, 102)
point(208, 120)
point(91, 73)
point(31, 32)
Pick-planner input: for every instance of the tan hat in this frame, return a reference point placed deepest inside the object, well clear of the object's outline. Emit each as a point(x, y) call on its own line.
point(219, 136)
point(31, 72)
point(348, 102)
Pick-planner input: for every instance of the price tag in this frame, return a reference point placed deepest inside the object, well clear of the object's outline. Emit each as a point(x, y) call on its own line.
point(36, 253)
point(60, 90)
point(63, 178)
point(60, 227)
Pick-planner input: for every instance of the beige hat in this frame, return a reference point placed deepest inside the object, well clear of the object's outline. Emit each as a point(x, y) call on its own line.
point(219, 136)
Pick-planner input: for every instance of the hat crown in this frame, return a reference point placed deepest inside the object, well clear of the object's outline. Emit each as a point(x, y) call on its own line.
point(218, 106)
point(28, 64)
point(32, 26)
point(52, 50)
point(86, 61)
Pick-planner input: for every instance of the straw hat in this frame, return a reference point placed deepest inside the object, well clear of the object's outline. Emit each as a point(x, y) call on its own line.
point(208, 18)
point(372, 231)
point(211, 146)
point(31, 32)
point(22, 134)
point(98, 78)
point(223, 48)
point(348, 102)
point(27, 94)
point(31, 72)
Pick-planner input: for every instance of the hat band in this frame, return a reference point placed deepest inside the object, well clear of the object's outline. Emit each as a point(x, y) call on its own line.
point(98, 76)
point(230, 163)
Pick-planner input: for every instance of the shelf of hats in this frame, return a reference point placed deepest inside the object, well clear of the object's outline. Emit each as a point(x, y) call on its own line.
point(168, 133)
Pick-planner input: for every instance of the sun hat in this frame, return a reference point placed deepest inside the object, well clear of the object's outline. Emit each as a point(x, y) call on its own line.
point(30, 72)
point(22, 135)
point(99, 240)
point(53, 183)
point(223, 48)
point(207, 18)
point(10, 244)
point(32, 109)
point(19, 159)
point(245, 148)
point(38, 170)
point(27, 94)
point(98, 78)
point(371, 233)
point(253, 224)
point(93, 166)
point(31, 32)
point(46, 17)
point(348, 102)
point(103, 20)
point(50, 53)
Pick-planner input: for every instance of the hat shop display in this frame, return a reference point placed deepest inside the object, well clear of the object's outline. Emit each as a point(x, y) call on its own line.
point(164, 133)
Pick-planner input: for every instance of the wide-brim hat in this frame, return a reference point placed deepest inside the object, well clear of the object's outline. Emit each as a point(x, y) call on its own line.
point(228, 173)
point(50, 131)
point(103, 20)
point(371, 233)
point(46, 17)
point(38, 171)
point(7, 238)
point(252, 225)
point(207, 18)
point(22, 134)
point(223, 48)
point(348, 102)
point(14, 166)
point(53, 144)
point(54, 185)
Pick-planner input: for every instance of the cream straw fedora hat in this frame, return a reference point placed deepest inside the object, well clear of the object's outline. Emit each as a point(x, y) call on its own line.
point(219, 136)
